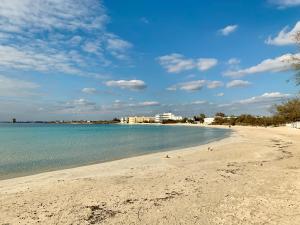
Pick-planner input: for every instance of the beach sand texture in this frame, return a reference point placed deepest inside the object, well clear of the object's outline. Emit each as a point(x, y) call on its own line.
point(253, 177)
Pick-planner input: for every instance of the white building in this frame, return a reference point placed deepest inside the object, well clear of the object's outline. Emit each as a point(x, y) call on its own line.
point(209, 120)
point(141, 119)
point(124, 120)
point(166, 116)
point(295, 125)
point(137, 119)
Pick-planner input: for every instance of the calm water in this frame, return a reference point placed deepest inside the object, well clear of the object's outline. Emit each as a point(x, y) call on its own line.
point(33, 148)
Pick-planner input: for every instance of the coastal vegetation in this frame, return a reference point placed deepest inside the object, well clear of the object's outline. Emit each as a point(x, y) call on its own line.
point(200, 118)
point(287, 112)
point(184, 120)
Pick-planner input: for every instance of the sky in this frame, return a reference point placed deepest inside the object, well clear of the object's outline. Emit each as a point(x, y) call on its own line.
point(93, 60)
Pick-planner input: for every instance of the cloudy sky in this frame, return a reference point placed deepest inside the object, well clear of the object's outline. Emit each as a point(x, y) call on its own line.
point(92, 59)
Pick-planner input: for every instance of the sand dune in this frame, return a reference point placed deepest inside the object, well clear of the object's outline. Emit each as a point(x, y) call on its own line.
point(253, 177)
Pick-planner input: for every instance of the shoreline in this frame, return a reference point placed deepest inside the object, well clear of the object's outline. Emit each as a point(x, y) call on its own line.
point(118, 159)
point(251, 177)
point(124, 160)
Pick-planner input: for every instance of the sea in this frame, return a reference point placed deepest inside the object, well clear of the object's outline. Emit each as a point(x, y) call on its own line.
point(31, 148)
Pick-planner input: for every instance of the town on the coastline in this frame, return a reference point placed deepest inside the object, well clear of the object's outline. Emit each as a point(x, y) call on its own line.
point(285, 114)
point(158, 118)
point(201, 119)
point(218, 119)
point(166, 118)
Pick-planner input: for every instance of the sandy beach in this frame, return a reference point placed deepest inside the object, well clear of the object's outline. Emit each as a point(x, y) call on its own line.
point(252, 177)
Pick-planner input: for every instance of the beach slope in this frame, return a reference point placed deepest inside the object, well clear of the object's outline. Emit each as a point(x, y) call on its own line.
point(253, 177)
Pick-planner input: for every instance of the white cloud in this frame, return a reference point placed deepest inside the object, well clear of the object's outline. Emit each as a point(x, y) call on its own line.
point(17, 16)
point(233, 64)
point(206, 64)
point(149, 103)
point(285, 37)
point(238, 83)
point(214, 84)
point(49, 35)
point(75, 40)
point(76, 106)
point(81, 102)
point(266, 99)
point(285, 3)
point(115, 43)
point(117, 46)
point(195, 85)
point(15, 87)
point(134, 107)
point(200, 102)
point(172, 88)
point(89, 90)
point(43, 61)
point(127, 84)
point(220, 94)
point(92, 47)
point(233, 61)
point(176, 63)
point(279, 64)
point(228, 29)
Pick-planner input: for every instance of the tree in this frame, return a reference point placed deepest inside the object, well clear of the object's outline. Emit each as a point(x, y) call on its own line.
point(184, 120)
point(284, 113)
point(202, 115)
point(200, 118)
point(290, 110)
point(116, 120)
point(220, 114)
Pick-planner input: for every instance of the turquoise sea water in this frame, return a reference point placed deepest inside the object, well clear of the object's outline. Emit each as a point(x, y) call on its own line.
point(33, 148)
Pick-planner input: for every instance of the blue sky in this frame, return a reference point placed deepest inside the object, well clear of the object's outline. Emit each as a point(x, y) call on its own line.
point(100, 59)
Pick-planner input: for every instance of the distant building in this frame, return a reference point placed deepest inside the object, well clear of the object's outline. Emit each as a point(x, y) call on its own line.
point(295, 125)
point(124, 120)
point(209, 120)
point(166, 116)
point(137, 119)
